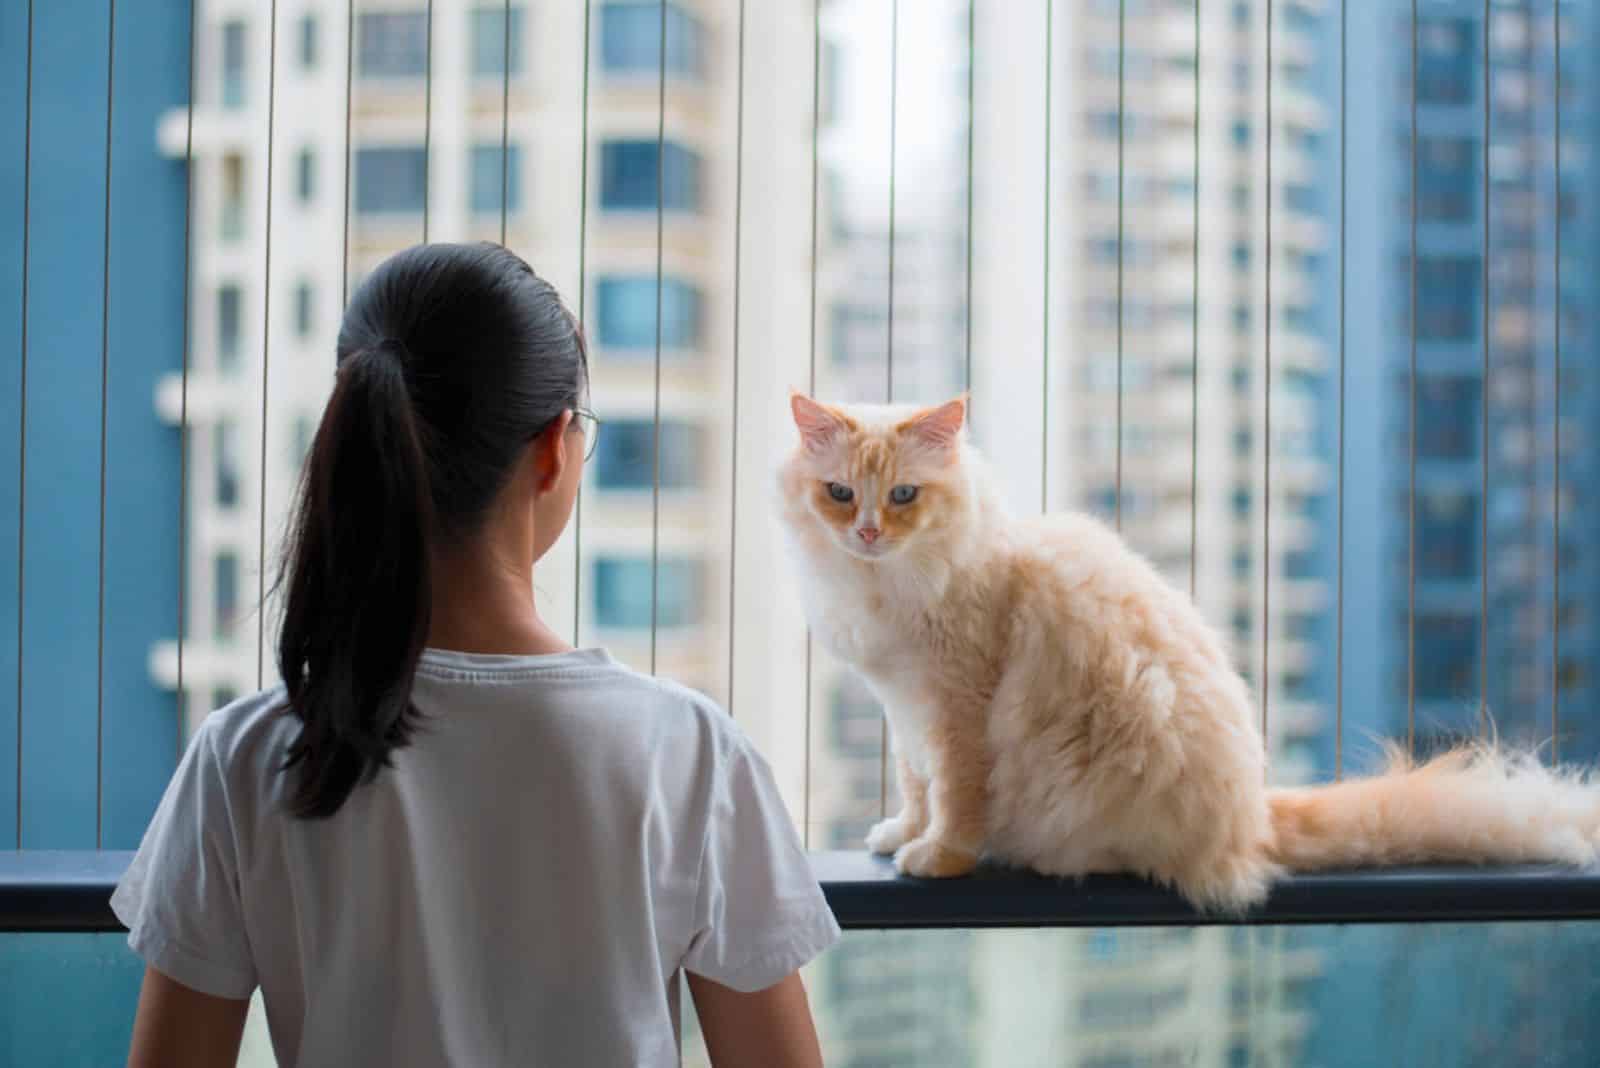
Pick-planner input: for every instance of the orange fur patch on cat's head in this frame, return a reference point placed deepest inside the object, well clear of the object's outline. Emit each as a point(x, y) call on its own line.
point(876, 478)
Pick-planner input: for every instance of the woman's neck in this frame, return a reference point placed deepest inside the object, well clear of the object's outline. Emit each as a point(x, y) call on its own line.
point(482, 604)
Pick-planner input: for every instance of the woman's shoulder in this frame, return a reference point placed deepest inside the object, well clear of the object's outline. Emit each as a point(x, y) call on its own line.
point(246, 724)
point(676, 707)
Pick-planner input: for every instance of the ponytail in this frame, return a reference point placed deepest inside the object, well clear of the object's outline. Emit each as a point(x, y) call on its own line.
point(358, 590)
point(451, 359)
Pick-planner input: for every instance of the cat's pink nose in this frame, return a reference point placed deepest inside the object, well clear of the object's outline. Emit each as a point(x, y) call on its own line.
point(868, 534)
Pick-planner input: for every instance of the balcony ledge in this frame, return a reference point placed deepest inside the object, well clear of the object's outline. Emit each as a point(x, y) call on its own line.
point(70, 891)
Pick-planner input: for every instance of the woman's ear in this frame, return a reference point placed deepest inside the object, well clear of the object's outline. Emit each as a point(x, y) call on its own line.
point(553, 450)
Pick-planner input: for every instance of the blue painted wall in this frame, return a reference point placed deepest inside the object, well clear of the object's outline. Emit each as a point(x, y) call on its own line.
point(59, 494)
point(47, 980)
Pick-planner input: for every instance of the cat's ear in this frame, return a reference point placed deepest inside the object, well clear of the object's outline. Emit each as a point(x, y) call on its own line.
point(819, 424)
point(937, 428)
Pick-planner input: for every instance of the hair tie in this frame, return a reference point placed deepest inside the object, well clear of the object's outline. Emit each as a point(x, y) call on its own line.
point(394, 348)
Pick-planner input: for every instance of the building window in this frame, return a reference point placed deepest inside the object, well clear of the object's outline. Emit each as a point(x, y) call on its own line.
point(1448, 411)
point(1447, 297)
point(228, 463)
point(1447, 179)
point(229, 325)
point(1299, 564)
point(392, 44)
point(1104, 124)
point(306, 175)
point(856, 332)
point(626, 313)
point(232, 197)
point(857, 720)
point(223, 696)
point(489, 41)
point(624, 457)
point(1447, 654)
point(391, 180)
point(1302, 198)
point(233, 63)
point(225, 572)
point(1447, 535)
point(1298, 319)
point(487, 171)
point(630, 39)
point(623, 592)
point(308, 42)
point(628, 172)
point(302, 310)
point(1446, 61)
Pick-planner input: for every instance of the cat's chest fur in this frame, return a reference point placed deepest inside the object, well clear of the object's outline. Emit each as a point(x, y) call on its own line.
point(863, 619)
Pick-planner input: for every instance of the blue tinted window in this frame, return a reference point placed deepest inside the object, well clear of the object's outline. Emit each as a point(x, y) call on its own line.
point(306, 174)
point(308, 42)
point(1447, 179)
point(302, 309)
point(1302, 198)
point(1299, 318)
point(1447, 54)
point(1448, 416)
point(630, 39)
point(489, 41)
point(486, 174)
point(1447, 656)
point(228, 326)
point(624, 457)
point(392, 44)
point(1447, 297)
point(1447, 535)
point(226, 593)
point(226, 443)
point(628, 176)
point(391, 180)
point(1298, 564)
point(233, 63)
point(626, 312)
point(623, 592)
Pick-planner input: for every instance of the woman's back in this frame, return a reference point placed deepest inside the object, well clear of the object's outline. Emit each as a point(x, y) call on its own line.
point(496, 857)
point(521, 887)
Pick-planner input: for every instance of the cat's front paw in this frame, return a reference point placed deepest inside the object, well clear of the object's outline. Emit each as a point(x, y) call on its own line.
point(889, 835)
point(928, 858)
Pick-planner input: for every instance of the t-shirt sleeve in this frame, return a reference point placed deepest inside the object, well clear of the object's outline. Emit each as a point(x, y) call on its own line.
point(760, 914)
point(180, 896)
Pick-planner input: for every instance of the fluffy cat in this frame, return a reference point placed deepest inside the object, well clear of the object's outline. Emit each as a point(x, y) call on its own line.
point(1055, 704)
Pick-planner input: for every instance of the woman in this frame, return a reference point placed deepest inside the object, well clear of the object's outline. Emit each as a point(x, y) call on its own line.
point(450, 838)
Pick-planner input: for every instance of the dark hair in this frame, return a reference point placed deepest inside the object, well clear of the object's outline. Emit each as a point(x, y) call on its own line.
point(451, 359)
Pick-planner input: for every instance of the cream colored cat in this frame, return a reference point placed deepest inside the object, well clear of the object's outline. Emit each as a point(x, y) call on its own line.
point(1055, 704)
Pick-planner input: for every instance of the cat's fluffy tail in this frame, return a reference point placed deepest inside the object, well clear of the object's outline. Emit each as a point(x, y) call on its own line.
point(1477, 804)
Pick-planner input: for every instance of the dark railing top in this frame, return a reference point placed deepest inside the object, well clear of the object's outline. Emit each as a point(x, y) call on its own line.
point(70, 891)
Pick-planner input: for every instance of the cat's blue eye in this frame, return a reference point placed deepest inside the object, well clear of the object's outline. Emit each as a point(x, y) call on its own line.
point(841, 493)
point(903, 494)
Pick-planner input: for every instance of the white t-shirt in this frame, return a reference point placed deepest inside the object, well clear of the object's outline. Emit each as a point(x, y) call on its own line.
point(561, 838)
